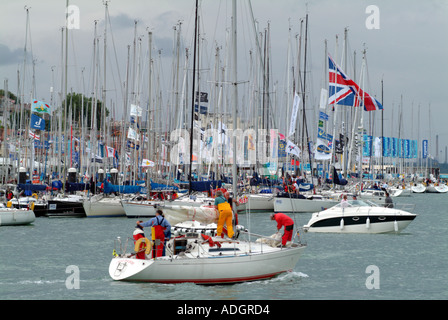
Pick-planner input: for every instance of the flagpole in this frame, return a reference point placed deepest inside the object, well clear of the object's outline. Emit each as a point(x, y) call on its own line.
point(334, 101)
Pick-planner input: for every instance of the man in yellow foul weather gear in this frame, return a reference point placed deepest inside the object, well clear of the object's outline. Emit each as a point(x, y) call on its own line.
point(225, 214)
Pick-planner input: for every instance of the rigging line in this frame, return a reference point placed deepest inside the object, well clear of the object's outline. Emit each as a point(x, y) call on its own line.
point(115, 55)
point(213, 48)
point(33, 86)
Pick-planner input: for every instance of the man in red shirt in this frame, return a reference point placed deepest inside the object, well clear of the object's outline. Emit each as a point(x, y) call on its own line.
point(284, 221)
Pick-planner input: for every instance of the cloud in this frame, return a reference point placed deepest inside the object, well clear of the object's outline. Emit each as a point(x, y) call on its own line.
point(121, 21)
point(8, 56)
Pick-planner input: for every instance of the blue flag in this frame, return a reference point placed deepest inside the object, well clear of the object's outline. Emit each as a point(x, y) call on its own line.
point(37, 122)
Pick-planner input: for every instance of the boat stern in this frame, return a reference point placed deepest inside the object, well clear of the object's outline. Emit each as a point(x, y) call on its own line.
point(127, 268)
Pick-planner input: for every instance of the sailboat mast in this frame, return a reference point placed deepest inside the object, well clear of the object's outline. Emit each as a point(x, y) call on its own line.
point(382, 130)
point(123, 130)
point(193, 95)
point(65, 95)
point(235, 95)
point(149, 115)
point(22, 93)
point(103, 104)
point(304, 99)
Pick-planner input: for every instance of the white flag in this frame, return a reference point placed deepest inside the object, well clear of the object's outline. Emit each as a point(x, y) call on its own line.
point(323, 99)
point(33, 135)
point(110, 152)
point(136, 111)
point(147, 163)
point(322, 150)
point(295, 109)
point(293, 149)
point(132, 134)
point(377, 147)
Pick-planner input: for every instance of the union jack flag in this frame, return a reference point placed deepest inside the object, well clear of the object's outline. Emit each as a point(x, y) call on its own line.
point(344, 91)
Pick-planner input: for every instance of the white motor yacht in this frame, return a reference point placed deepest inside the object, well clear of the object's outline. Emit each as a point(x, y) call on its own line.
point(358, 216)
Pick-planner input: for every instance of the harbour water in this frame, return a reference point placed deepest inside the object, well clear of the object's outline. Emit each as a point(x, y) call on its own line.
point(38, 261)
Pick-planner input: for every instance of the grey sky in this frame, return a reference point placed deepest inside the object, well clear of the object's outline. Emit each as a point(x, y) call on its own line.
point(409, 51)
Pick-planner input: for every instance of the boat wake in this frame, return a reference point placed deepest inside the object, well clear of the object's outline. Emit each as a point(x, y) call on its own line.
point(40, 282)
point(291, 276)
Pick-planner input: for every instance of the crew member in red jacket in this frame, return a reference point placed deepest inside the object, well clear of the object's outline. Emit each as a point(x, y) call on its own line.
point(284, 221)
point(138, 233)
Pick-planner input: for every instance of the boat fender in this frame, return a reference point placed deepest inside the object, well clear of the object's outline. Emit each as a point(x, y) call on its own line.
point(148, 245)
point(396, 226)
point(368, 223)
point(32, 206)
point(342, 223)
point(9, 204)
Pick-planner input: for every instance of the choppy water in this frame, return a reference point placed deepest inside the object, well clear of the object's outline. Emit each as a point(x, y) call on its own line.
point(411, 265)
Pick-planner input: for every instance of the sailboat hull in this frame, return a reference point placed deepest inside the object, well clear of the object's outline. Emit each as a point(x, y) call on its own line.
point(302, 205)
point(103, 208)
point(16, 217)
point(215, 269)
point(442, 188)
point(57, 208)
point(140, 209)
point(257, 202)
point(418, 188)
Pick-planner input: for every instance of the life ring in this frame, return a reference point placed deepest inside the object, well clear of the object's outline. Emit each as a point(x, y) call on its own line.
point(148, 245)
point(34, 195)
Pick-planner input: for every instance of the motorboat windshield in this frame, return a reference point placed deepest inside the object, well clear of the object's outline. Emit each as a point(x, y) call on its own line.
point(357, 203)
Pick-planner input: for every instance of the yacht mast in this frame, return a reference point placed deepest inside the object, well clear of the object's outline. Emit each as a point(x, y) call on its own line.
point(193, 96)
point(234, 95)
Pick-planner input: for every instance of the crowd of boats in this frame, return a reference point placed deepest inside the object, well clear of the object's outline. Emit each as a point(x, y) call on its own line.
point(193, 218)
point(291, 195)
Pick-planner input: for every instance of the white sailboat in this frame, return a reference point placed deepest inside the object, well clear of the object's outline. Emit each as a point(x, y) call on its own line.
point(208, 261)
point(102, 205)
point(140, 208)
point(256, 202)
point(202, 259)
point(15, 217)
point(400, 191)
point(310, 203)
point(436, 188)
point(418, 188)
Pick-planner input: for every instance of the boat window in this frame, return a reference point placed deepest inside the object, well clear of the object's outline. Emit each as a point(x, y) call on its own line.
point(358, 203)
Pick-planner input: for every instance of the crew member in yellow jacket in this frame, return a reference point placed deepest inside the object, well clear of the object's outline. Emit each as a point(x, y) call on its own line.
point(225, 214)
